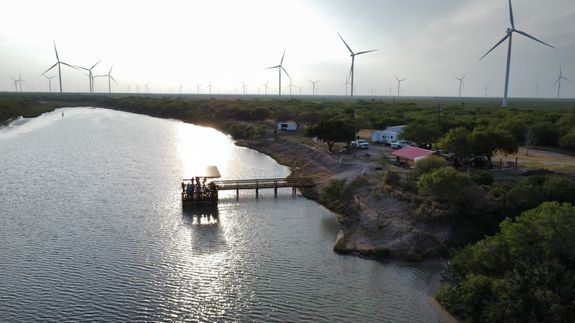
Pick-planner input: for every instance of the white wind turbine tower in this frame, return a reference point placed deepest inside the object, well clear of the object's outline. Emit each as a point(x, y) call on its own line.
point(313, 83)
point(509, 34)
point(265, 85)
point(244, 88)
point(49, 81)
point(290, 86)
point(461, 82)
point(486, 89)
point(398, 83)
point(558, 82)
point(90, 75)
point(59, 63)
point(110, 78)
point(280, 68)
point(15, 81)
point(353, 60)
point(346, 83)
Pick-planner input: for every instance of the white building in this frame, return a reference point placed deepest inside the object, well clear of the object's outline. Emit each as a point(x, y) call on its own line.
point(287, 125)
point(386, 136)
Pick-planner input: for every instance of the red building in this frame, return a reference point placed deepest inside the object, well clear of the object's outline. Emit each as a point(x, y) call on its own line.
point(409, 155)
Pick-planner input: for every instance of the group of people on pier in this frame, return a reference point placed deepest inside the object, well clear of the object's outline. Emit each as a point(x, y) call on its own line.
point(198, 190)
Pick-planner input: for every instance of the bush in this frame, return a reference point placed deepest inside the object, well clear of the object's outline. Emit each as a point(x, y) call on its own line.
point(525, 273)
point(482, 178)
point(426, 165)
point(391, 178)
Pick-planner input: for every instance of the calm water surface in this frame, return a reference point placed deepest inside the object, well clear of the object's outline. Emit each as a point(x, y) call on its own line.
point(91, 228)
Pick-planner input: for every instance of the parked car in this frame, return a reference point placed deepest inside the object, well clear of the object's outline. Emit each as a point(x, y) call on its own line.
point(401, 143)
point(360, 144)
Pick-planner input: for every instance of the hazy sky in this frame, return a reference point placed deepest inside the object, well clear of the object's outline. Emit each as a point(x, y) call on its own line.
point(230, 42)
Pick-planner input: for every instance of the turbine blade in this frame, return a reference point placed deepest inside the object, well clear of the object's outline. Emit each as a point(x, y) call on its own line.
point(110, 72)
point(283, 55)
point(511, 15)
point(366, 51)
point(464, 74)
point(535, 39)
point(49, 68)
point(74, 67)
point(492, 48)
point(55, 50)
point(556, 81)
point(566, 79)
point(95, 64)
point(397, 78)
point(346, 45)
point(277, 66)
point(286, 72)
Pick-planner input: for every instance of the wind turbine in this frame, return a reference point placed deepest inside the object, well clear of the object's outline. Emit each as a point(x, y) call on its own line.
point(559, 78)
point(346, 83)
point(537, 88)
point(280, 68)
point(509, 34)
point(265, 85)
point(210, 87)
point(313, 83)
point(90, 75)
point(353, 59)
point(110, 78)
point(198, 88)
point(59, 63)
point(15, 81)
point(290, 86)
point(398, 83)
point(49, 81)
point(486, 89)
point(461, 83)
point(20, 80)
point(244, 87)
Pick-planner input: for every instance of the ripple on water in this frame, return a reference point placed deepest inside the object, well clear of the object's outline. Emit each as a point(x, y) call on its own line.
point(91, 229)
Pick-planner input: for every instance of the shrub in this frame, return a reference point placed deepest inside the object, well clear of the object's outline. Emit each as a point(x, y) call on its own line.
point(525, 273)
point(391, 178)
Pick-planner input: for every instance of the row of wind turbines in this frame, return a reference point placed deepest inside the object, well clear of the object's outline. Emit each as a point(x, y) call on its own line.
point(350, 77)
point(90, 75)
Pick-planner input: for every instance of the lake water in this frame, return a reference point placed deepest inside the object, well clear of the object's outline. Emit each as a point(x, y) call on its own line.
point(92, 229)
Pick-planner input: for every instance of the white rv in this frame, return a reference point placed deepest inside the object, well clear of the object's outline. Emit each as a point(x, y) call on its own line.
point(386, 136)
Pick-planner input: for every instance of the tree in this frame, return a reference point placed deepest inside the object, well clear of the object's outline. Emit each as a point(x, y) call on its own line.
point(423, 133)
point(452, 188)
point(525, 273)
point(457, 142)
point(332, 131)
point(568, 140)
point(486, 141)
point(546, 134)
point(426, 165)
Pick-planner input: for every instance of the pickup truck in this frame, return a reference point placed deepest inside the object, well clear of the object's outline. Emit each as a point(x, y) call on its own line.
point(360, 144)
point(401, 143)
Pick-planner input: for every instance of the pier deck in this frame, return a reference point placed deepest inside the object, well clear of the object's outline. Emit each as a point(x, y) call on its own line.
point(266, 183)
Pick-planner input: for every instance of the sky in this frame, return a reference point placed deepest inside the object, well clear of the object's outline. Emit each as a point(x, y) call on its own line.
point(190, 44)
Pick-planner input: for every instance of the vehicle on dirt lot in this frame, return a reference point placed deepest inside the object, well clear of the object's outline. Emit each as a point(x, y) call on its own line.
point(360, 144)
point(401, 143)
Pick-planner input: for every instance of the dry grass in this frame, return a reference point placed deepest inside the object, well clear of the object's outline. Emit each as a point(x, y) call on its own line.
point(537, 159)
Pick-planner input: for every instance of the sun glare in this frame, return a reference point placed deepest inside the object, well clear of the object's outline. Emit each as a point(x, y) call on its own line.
point(213, 148)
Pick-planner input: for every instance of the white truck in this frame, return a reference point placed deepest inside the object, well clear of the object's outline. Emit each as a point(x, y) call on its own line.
point(360, 144)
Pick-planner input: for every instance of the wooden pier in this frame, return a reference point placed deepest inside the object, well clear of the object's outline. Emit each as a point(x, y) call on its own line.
point(266, 183)
point(202, 190)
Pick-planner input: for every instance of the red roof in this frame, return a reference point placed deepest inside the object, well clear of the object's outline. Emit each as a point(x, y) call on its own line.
point(412, 153)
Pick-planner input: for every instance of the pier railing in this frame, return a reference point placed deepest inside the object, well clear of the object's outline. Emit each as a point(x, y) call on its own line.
point(265, 183)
